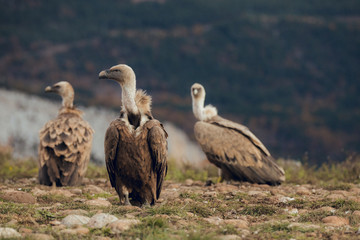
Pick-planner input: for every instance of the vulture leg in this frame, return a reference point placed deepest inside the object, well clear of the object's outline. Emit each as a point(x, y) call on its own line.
point(53, 186)
point(127, 202)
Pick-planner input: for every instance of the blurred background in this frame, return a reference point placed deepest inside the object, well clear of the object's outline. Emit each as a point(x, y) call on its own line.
point(289, 70)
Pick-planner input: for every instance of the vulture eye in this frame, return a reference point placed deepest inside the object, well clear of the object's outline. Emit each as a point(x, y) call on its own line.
point(56, 86)
point(116, 70)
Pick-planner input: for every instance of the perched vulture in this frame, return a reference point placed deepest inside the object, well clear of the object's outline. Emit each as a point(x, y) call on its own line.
point(65, 142)
point(231, 146)
point(135, 143)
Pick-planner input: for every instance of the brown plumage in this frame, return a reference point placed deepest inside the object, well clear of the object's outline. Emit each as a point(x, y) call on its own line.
point(231, 146)
point(65, 143)
point(135, 144)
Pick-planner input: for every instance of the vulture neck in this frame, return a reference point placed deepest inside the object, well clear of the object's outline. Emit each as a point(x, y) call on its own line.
point(198, 108)
point(68, 99)
point(128, 99)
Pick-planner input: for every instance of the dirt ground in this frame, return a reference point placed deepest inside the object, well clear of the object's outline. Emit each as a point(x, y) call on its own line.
point(187, 210)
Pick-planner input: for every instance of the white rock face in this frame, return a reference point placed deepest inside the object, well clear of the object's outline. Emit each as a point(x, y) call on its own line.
point(9, 233)
point(101, 220)
point(23, 115)
point(75, 220)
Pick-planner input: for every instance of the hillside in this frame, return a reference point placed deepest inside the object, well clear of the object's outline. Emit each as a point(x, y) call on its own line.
point(289, 70)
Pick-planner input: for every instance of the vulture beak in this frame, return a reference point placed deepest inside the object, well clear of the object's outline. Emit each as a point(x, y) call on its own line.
point(49, 89)
point(195, 91)
point(104, 74)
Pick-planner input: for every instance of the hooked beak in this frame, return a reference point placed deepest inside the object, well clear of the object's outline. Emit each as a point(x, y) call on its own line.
point(49, 89)
point(104, 74)
point(195, 91)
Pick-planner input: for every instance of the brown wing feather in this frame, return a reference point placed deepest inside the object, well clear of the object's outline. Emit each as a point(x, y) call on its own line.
point(158, 147)
point(237, 154)
point(111, 144)
point(66, 141)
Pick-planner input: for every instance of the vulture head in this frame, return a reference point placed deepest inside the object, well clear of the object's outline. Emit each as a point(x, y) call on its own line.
point(65, 90)
point(121, 73)
point(198, 99)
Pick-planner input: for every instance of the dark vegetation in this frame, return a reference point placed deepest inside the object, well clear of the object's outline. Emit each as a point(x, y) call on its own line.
point(289, 70)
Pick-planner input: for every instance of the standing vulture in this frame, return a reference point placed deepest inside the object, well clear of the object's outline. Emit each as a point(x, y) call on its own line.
point(135, 143)
point(231, 146)
point(65, 142)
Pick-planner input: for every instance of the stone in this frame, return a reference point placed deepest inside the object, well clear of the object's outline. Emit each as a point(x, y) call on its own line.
point(302, 191)
point(55, 222)
point(327, 209)
point(25, 230)
point(76, 191)
point(293, 211)
point(38, 192)
point(284, 199)
point(18, 197)
point(68, 231)
point(93, 189)
point(41, 236)
point(121, 225)
point(101, 220)
point(63, 192)
point(82, 230)
point(238, 223)
point(189, 182)
point(255, 193)
point(75, 220)
point(73, 212)
point(99, 202)
point(9, 233)
point(356, 213)
point(303, 226)
point(210, 194)
point(335, 221)
point(336, 196)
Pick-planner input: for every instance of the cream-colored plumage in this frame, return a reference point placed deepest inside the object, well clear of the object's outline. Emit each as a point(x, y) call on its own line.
point(232, 147)
point(65, 143)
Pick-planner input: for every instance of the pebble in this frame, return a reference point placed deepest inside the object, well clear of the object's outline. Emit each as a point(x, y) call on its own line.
point(18, 197)
point(99, 202)
point(76, 191)
point(210, 194)
point(189, 182)
point(229, 237)
point(101, 220)
point(356, 213)
point(335, 221)
point(75, 220)
point(73, 212)
point(335, 196)
point(258, 193)
point(303, 191)
point(93, 189)
point(41, 236)
point(9, 233)
point(238, 223)
point(304, 226)
point(63, 192)
point(327, 209)
point(121, 225)
point(25, 230)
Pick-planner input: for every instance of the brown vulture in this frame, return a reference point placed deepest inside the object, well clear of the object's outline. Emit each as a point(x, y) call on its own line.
point(236, 151)
point(65, 142)
point(135, 143)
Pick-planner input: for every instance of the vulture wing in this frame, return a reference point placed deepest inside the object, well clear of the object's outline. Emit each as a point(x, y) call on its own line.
point(158, 149)
point(233, 148)
point(65, 146)
point(111, 144)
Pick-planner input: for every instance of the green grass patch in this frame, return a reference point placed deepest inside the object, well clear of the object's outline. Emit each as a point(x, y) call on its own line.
point(314, 216)
point(258, 210)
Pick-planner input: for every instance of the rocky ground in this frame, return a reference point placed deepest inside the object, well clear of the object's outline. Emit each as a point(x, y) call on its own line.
point(188, 210)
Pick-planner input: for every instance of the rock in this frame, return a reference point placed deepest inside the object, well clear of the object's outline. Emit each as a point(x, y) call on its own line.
point(226, 188)
point(293, 211)
point(238, 223)
point(303, 191)
point(356, 213)
point(100, 202)
point(12, 222)
point(303, 226)
point(82, 230)
point(189, 182)
point(75, 220)
point(55, 222)
point(336, 196)
point(229, 237)
point(93, 189)
point(41, 236)
point(76, 191)
point(101, 219)
point(210, 194)
point(255, 193)
point(335, 221)
point(63, 192)
point(18, 197)
point(68, 231)
point(121, 225)
point(283, 199)
point(358, 231)
point(38, 192)
point(327, 209)
point(59, 227)
point(9, 233)
point(213, 220)
point(25, 230)
point(73, 212)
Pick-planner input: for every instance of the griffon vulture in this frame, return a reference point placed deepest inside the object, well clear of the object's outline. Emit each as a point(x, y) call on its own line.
point(135, 143)
point(231, 146)
point(65, 142)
